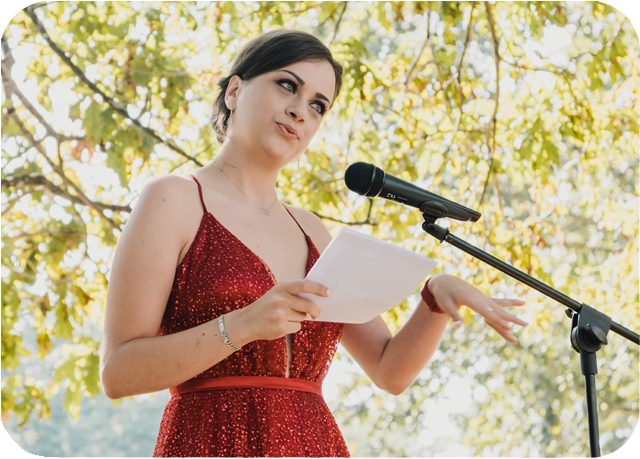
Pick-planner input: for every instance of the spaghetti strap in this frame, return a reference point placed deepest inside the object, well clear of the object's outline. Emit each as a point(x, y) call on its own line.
point(294, 219)
point(202, 200)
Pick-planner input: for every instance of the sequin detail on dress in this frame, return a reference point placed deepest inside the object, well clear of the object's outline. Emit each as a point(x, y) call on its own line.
point(220, 274)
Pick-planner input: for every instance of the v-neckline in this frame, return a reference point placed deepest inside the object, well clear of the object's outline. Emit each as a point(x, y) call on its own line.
point(256, 256)
point(288, 364)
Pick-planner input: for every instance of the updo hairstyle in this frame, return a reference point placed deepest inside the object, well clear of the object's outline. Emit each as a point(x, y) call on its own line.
point(266, 53)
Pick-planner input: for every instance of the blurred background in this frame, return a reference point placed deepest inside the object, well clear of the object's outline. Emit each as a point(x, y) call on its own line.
point(524, 111)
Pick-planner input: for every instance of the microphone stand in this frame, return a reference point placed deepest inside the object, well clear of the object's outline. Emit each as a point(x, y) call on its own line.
point(589, 327)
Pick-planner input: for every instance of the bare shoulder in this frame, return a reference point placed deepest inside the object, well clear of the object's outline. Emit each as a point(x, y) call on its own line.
point(171, 188)
point(313, 226)
point(168, 205)
point(173, 194)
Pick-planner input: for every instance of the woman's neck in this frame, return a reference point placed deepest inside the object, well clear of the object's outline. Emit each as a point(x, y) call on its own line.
point(254, 176)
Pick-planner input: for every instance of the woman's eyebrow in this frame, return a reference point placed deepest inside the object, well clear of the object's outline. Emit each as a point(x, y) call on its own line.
point(301, 83)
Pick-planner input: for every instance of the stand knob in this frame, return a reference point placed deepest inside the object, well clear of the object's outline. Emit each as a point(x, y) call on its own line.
point(595, 335)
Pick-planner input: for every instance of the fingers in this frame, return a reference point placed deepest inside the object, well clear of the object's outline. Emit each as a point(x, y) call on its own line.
point(297, 316)
point(505, 302)
point(301, 307)
point(451, 293)
point(281, 311)
point(490, 311)
point(497, 318)
point(506, 317)
point(305, 286)
point(503, 325)
point(287, 314)
point(514, 319)
point(504, 333)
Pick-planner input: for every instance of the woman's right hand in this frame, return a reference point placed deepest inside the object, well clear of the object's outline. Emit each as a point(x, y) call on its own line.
point(277, 313)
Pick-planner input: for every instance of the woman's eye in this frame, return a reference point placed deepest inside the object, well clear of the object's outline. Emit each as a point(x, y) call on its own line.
point(321, 108)
point(284, 83)
point(291, 87)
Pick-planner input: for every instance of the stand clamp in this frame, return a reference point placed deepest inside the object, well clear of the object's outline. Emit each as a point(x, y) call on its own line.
point(432, 211)
point(589, 329)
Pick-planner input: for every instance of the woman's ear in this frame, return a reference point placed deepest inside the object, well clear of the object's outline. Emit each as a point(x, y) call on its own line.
point(231, 94)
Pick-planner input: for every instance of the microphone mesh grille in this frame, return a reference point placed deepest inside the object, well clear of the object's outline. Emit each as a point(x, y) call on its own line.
point(377, 183)
point(359, 177)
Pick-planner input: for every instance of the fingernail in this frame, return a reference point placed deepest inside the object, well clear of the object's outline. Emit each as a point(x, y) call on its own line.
point(457, 324)
point(328, 292)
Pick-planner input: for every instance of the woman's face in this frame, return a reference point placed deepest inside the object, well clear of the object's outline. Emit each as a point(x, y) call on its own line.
point(279, 112)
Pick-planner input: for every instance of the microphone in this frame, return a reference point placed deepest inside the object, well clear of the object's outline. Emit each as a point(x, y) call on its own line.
point(369, 180)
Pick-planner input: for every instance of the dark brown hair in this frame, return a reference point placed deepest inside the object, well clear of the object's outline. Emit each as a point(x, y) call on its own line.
point(266, 53)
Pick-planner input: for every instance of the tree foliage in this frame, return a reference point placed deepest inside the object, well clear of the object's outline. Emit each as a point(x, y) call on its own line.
point(525, 111)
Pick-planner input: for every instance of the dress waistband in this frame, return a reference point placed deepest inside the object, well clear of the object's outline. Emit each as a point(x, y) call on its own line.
point(235, 382)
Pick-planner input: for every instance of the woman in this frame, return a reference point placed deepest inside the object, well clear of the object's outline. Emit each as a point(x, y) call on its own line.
point(203, 291)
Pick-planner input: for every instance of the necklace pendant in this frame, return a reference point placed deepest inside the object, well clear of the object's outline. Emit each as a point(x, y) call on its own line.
point(268, 212)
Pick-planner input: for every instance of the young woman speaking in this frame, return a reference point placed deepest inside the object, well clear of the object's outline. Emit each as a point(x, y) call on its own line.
point(203, 291)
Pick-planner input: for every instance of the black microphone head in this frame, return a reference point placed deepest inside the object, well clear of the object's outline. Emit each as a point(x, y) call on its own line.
point(364, 179)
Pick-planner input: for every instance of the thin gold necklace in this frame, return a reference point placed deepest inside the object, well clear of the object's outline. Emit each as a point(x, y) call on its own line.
point(266, 211)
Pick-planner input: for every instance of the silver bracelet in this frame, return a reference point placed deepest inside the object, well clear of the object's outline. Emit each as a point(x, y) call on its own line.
point(225, 338)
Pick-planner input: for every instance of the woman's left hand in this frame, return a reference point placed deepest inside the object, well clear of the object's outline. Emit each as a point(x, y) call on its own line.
point(451, 292)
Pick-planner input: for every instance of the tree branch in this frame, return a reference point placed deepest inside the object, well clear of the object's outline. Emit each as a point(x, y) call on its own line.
point(313, 6)
point(330, 14)
point(496, 52)
point(486, 182)
point(366, 221)
point(60, 172)
point(413, 64)
point(456, 79)
point(464, 51)
point(10, 87)
point(44, 234)
point(42, 4)
point(9, 204)
point(440, 75)
point(491, 127)
point(562, 73)
point(22, 181)
point(31, 13)
point(534, 68)
point(335, 30)
point(435, 61)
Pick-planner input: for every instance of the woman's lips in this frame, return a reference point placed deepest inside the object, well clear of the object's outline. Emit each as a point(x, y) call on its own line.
point(285, 132)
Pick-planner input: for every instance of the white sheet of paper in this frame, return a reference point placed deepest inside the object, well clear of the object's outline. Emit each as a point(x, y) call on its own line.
point(366, 277)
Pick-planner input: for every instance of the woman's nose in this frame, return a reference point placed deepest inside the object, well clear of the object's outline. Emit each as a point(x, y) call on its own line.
point(296, 111)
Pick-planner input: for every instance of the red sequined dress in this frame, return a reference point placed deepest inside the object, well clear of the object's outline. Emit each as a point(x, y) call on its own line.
point(220, 274)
